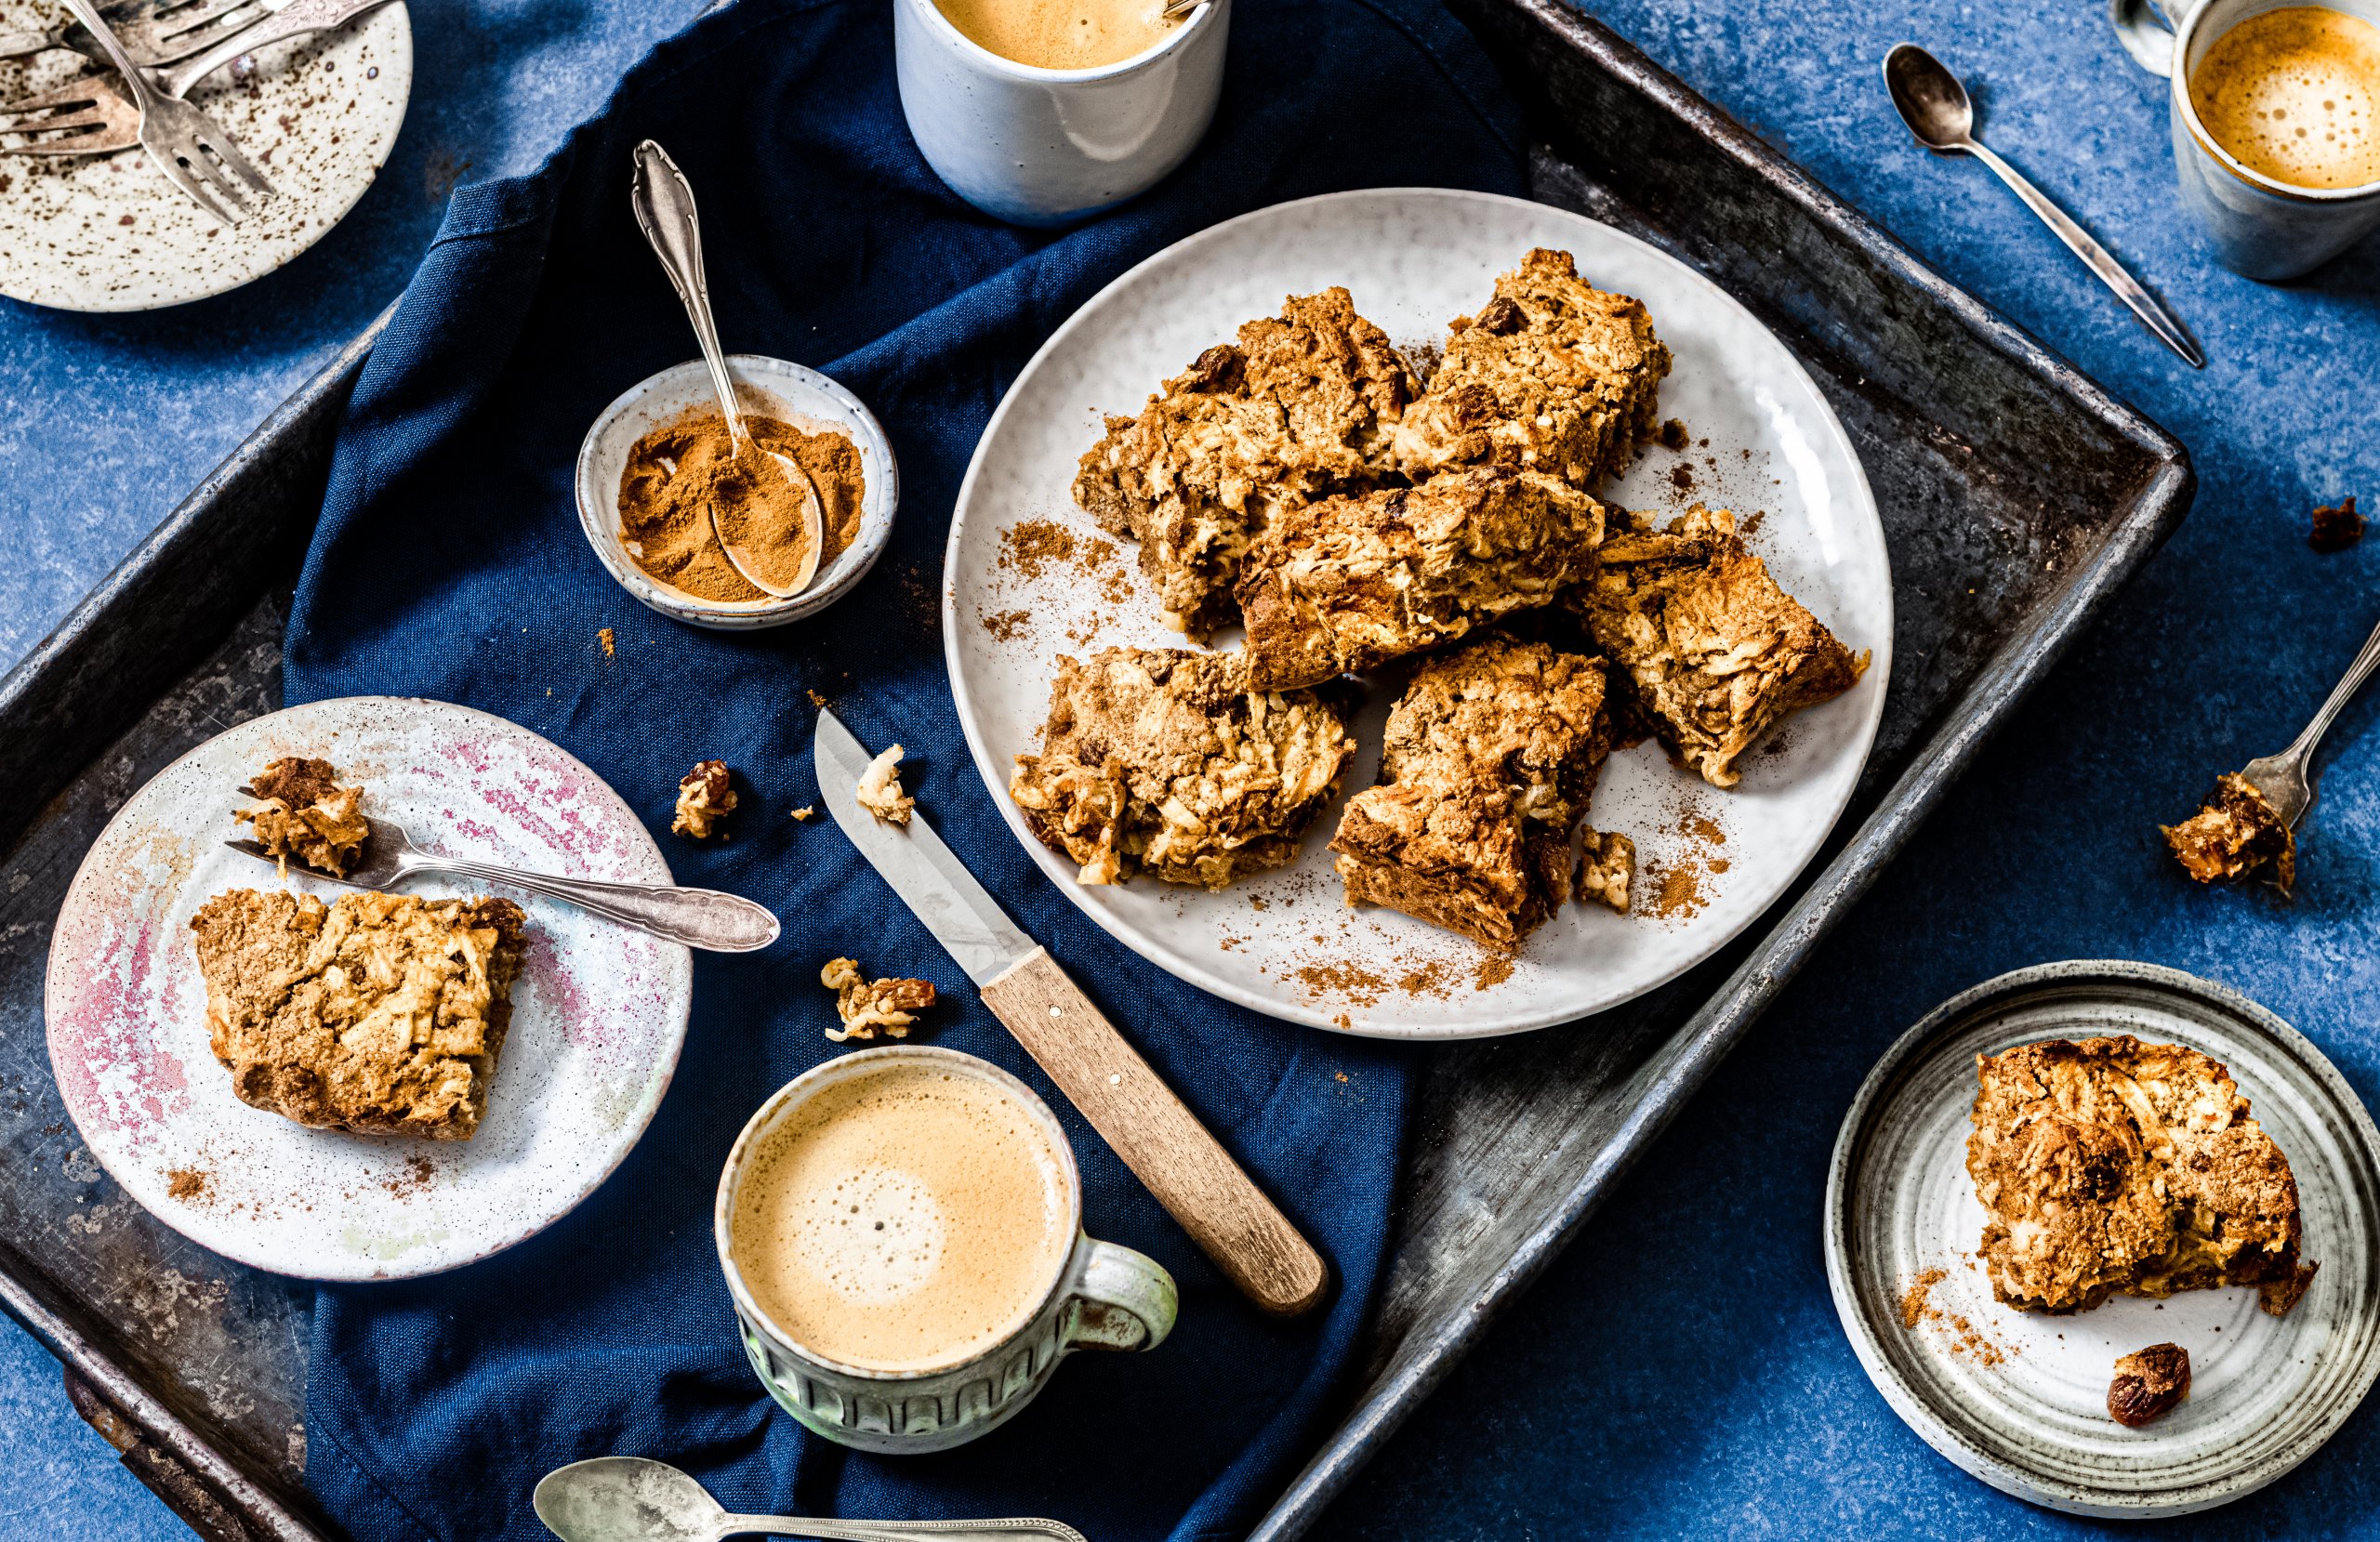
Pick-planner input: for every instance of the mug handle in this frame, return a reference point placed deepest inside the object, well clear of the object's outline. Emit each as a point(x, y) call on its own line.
point(1119, 1299)
point(2146, 30)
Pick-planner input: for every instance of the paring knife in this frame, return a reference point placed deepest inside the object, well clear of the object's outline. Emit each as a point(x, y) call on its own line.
point(1127, 1103)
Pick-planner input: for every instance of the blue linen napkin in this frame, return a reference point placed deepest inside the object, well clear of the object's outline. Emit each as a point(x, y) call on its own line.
point(449, 563)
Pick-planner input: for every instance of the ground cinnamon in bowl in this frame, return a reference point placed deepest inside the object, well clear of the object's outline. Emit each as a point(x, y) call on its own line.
point(677, 472)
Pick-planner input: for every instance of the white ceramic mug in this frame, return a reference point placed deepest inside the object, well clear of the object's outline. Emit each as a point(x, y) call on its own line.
point(1101, 1296)
point(1047, 146)
point(2262, 227)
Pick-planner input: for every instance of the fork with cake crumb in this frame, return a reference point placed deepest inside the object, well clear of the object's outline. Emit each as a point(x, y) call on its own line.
point(705, 919)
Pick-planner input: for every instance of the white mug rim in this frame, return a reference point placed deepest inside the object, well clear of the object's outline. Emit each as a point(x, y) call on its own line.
point(1001, 64)
point(2187, 107)
point(805, 1085)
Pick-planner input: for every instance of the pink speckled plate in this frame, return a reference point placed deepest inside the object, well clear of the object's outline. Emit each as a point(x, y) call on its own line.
point(599, 1013)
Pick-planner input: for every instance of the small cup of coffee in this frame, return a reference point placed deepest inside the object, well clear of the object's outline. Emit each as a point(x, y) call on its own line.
point(1044, 112)
point(901, 1230)
point(2276, 120)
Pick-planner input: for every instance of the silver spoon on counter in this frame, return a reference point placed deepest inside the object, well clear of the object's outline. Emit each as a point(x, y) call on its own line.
point(635, 1499)
point(664, 202)
point(1936, 107)
point(705, 918)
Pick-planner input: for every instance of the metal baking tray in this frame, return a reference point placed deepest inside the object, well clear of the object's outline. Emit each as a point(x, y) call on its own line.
point(2017, 495)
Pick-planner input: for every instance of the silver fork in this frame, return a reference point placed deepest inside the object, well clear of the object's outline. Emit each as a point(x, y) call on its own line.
point(2283, 778)
point(90, 116)
point(180, 138)
point(699, 918)
point(151, 33)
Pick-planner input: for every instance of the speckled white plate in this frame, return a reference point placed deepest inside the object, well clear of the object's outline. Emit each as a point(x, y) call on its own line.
point(317, 115)
point(599, 1013)
point(2019, 1399)
point(1415, 258)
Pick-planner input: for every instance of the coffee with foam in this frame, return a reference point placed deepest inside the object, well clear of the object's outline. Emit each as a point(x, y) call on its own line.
point(2295, 94)
point(904, 1219)
point(1061, 34)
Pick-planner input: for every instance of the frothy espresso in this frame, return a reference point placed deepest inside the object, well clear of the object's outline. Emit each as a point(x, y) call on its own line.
point(903, 1220)
point(2294, 93)
point(1061, 34)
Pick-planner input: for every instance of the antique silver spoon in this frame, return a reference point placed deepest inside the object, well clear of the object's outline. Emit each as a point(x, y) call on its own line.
point(634, 1500)
point(705, 919)
point(2283, 778)
point(1935, 108)
point(664, 202)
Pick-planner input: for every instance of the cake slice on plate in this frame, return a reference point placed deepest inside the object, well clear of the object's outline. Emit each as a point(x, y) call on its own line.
point(2110, 1167)
point(1714, 650)
point(1489, 761)
point(1164, 761)
point(376, 1012)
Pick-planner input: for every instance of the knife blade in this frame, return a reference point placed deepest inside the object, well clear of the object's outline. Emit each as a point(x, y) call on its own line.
point(1148, 1126)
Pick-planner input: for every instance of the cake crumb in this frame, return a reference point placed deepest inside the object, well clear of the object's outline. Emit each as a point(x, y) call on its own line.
point(611, 644)
point(2336, 528)
point(879, 789)
point(1673, 434)
point(805, 811)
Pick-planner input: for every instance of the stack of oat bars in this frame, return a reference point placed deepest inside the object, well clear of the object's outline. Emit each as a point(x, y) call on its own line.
point(1304, 482)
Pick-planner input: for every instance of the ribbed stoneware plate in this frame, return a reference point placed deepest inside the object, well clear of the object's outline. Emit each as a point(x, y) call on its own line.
point(316, 115)
point(598, 1012)
point(1030, 577)
point(2019, 1399)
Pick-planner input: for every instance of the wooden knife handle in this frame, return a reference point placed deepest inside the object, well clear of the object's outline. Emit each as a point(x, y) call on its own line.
point(1159, 1137)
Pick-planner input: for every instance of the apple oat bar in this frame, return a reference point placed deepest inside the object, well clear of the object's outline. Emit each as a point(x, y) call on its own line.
point(1714, 650)
point(1300, 406)
point(300, 810)
point(1489, 758)
point(1552, 374)
point(2112, 1167)
point(2237, 833)
point(1346, 583)
point(376, 1012)
point(1164, 761)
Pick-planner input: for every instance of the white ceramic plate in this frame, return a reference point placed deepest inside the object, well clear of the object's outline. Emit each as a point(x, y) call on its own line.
point(599, 1013)
point(316, 115)
point(2019, 1399)
point(1414, 258)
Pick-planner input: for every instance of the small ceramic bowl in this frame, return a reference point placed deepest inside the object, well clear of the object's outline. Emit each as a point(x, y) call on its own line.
point(772, 387)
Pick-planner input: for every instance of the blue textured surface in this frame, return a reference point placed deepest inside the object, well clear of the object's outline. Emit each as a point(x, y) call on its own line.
point(1680, 1371)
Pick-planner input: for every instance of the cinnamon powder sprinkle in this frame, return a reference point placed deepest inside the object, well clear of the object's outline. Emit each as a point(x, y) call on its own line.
point(1033, 547)
point(185, 1183)
point(1679, 892)
point(1914, 1307)
point(1491, 973)
point(1352, 980)
point(1007, 625)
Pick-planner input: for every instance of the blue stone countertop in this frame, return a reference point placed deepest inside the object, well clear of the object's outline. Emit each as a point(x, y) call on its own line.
point(1680, 1370)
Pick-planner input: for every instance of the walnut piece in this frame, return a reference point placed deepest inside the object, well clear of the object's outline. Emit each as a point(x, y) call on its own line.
point(705, 796)
point(1607, 867)
point(2237, 834)
point(1489, 760)
point(1551, 376)
point(302, 811)
point(376, 1012)
point(1300, 406)
point(1714, 650)
point(2147, 1383)
point(891, 1005)
point(2112, 1166)
point(879, 789)
point(1163, 761)
point(1346, 584)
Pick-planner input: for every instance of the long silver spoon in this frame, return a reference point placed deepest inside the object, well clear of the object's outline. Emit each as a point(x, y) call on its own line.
point(664, 202)
point(1935, 108)
point(634, 1500)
